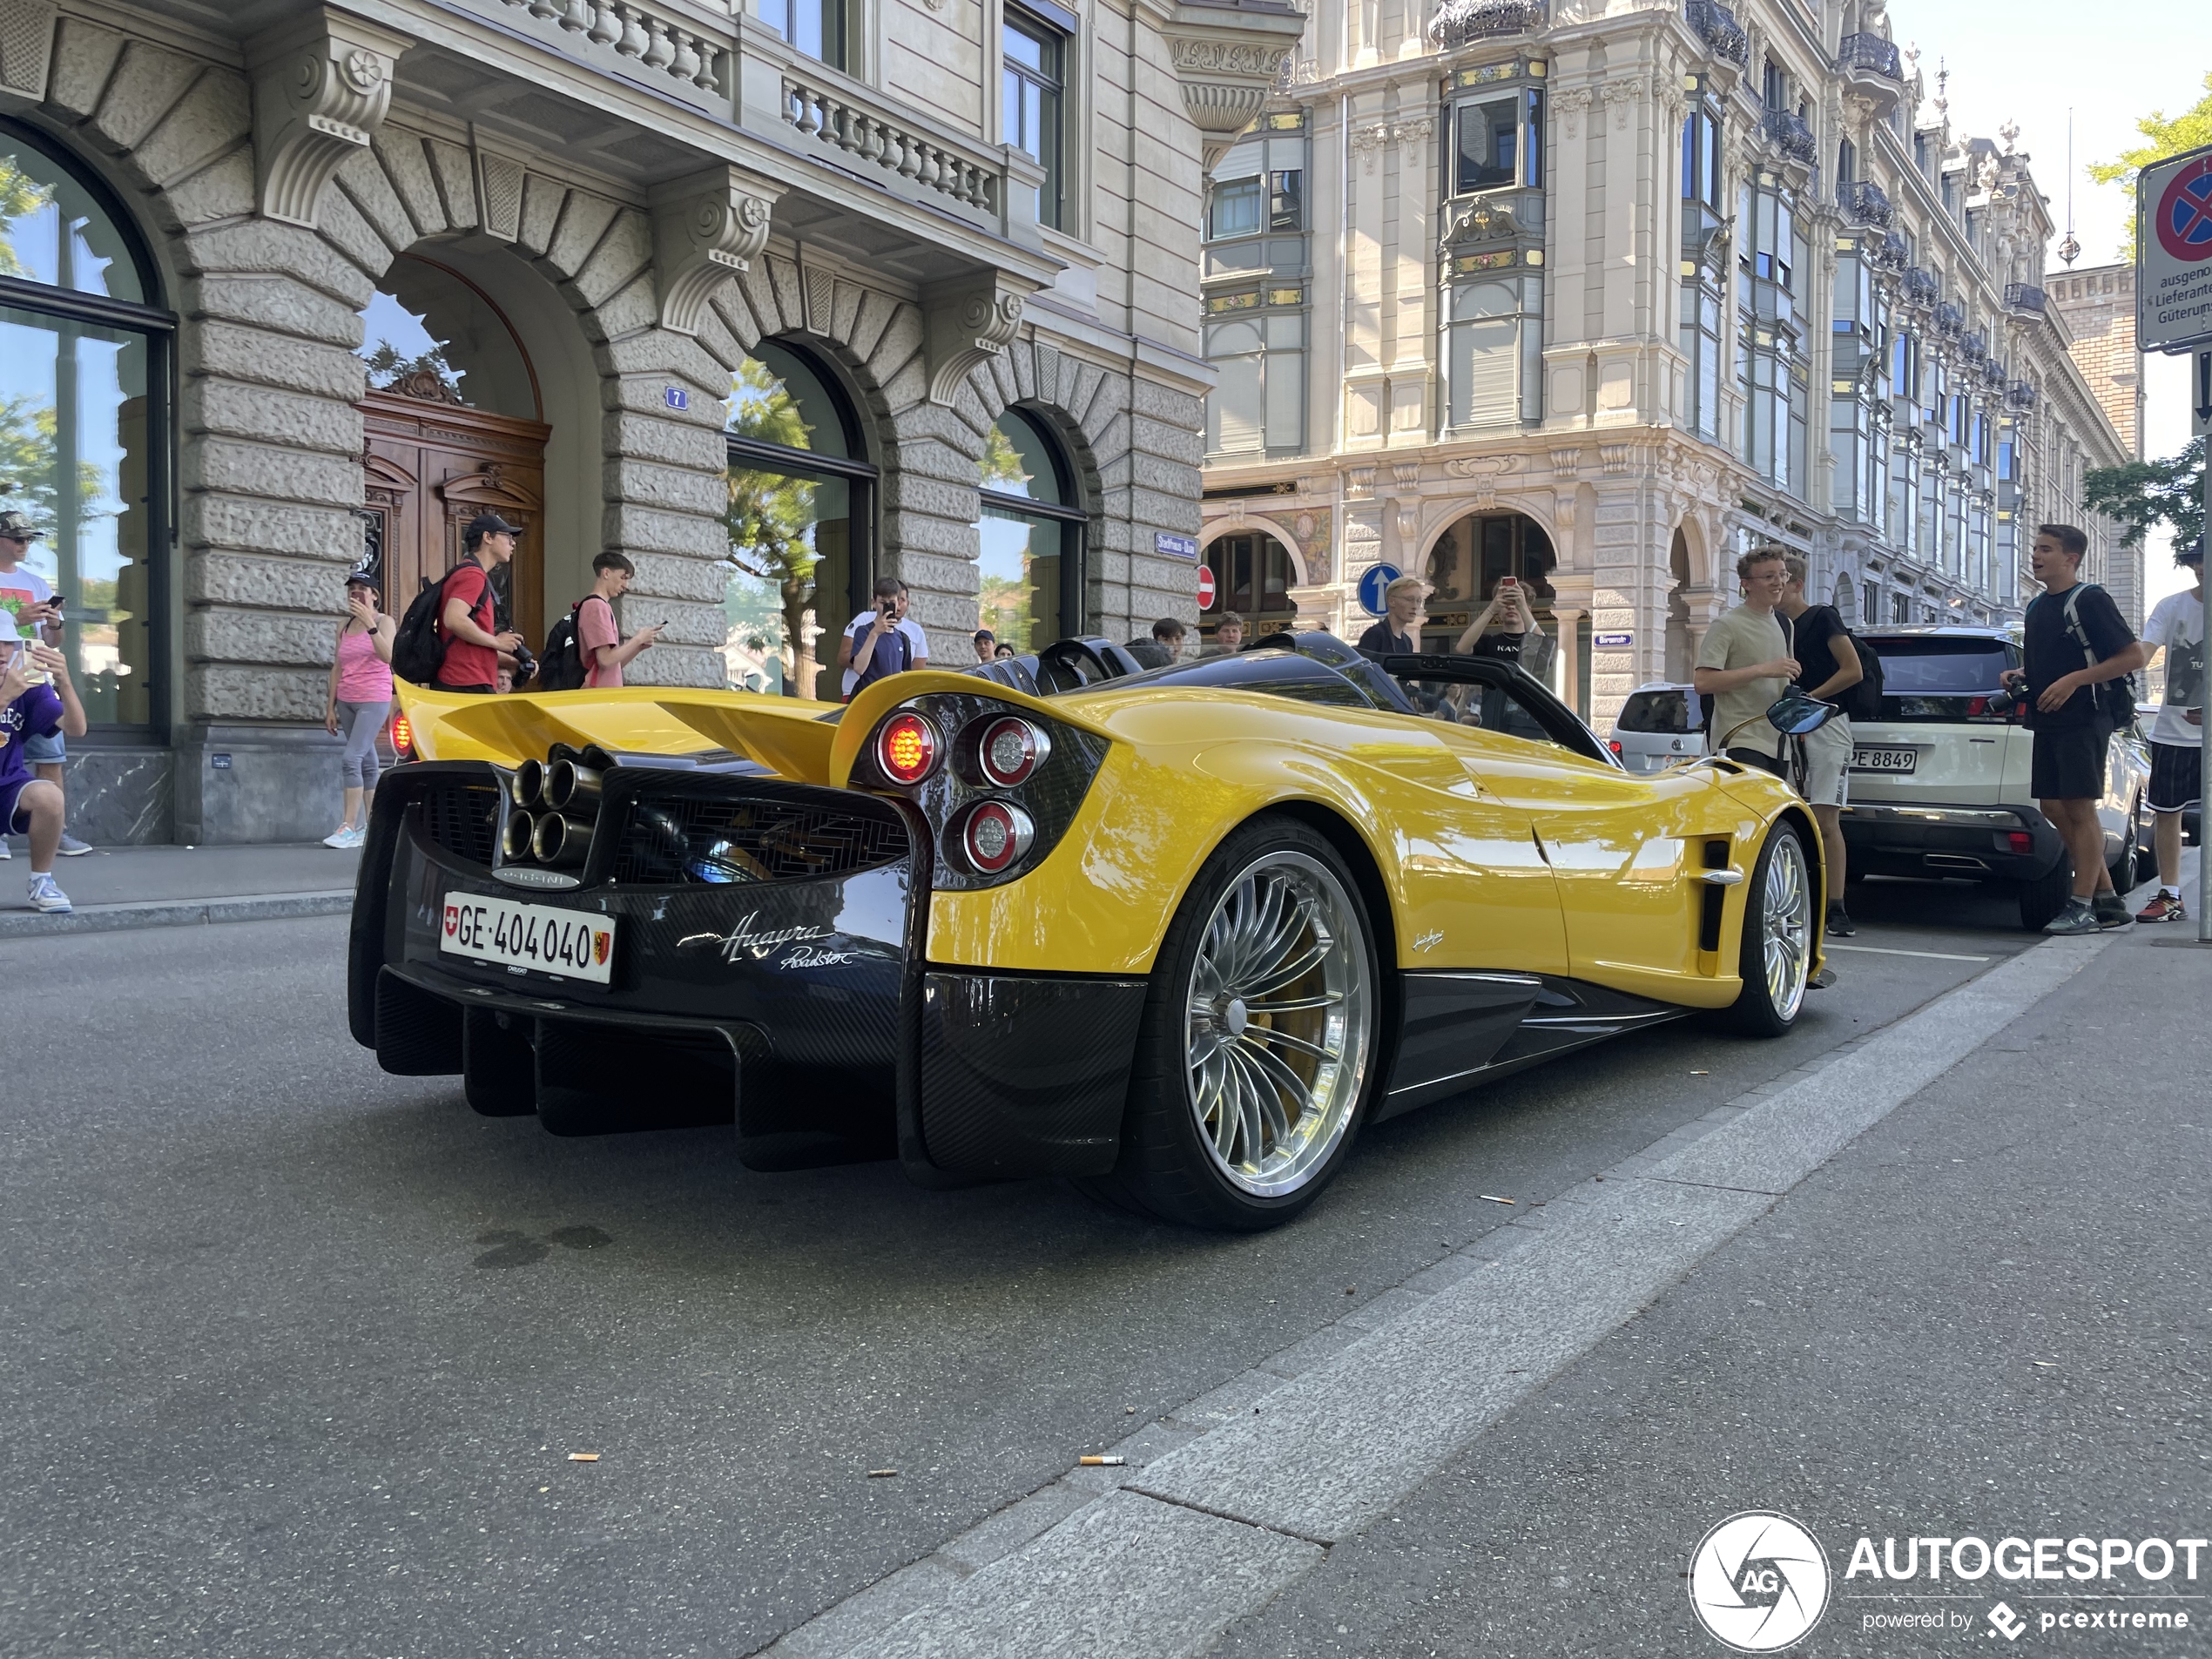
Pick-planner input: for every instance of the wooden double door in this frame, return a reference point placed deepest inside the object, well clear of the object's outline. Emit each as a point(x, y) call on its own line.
point(432, 466)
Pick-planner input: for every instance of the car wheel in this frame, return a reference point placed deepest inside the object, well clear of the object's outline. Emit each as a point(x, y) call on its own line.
point(2042, 897)
point(1260, 1042)
point(2145, 860)
point(1778, 927)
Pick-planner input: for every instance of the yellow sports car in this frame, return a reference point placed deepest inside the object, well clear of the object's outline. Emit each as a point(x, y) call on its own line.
point(1177, 933)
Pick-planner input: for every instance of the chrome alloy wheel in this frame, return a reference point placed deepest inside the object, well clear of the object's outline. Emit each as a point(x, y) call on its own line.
point(1279, 1023)
point(1787, 907)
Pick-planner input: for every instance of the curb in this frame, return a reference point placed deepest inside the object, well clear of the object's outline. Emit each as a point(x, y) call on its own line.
point(176, 913)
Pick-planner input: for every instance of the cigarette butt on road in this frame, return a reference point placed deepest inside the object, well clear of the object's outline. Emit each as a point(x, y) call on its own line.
point(1107, 1462)
point(882, 1474)
point(2048, 1365)
point(584, 1457)
point(1491, 1197)
point(1700, 1074)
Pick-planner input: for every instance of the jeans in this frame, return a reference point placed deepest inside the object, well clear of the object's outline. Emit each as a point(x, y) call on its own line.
point(359, 723)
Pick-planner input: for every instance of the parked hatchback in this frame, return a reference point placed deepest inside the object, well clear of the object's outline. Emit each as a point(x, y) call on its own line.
point(1657, 726)
point(1940, 784)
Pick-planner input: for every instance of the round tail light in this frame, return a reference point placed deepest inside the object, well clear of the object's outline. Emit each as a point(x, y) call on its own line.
point(993, 835)
point(907, 748)
point(1010, 749)
point(402, 735)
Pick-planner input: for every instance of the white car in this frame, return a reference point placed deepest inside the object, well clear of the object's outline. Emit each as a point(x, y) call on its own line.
point(1940, 785)
point(1658, 725)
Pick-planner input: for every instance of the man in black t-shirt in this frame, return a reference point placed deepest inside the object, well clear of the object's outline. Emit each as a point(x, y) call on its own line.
point(1827, 667)
point(1398, 634)
point(2067, 712)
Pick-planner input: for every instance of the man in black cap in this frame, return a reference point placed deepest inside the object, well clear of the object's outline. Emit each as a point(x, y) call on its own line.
point(468, 616)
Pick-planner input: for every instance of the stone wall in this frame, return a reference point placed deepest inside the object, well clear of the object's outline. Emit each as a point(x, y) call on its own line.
point(2098, 306)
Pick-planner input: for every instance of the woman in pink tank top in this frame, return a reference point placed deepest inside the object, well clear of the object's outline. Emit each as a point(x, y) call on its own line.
point(359, 700)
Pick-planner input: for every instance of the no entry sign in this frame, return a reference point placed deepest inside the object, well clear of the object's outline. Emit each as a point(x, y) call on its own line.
point(2174, 254)
point(1205, 587)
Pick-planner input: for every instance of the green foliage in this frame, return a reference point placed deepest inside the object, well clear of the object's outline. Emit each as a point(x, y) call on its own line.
point(28, 449)
point(2144, 493)
point(1002, 465)
point(2187, 131)
point(20, 196)
point(770, 519)
point(386, 368)
point(1005, 609)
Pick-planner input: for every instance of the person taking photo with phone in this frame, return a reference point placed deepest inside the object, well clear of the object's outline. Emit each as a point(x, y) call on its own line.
point(36, 699)
point(37, 608)
point(359, 701)
point(598, 636)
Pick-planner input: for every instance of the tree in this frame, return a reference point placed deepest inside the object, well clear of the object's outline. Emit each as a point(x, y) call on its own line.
point(2145, 493)
point(770, 519)
point(20, 196)
point(29, 449)
point(2187, 131)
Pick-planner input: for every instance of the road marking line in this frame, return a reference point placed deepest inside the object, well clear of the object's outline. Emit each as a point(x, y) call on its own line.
point(1202, 1534)
point(1931, 956)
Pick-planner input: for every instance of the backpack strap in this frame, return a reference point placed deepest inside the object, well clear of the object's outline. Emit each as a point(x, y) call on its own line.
point(2073, 623)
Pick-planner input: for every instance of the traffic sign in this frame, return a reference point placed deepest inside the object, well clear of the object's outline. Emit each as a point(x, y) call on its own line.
point(2174, 254)
point(1377, 577)
point(1206, 595)
point(2200, 402)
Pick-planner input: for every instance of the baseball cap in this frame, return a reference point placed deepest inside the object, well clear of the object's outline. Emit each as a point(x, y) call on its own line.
point(8, 634)
point(2193, 554)
point(18, 525)
point(490, 524)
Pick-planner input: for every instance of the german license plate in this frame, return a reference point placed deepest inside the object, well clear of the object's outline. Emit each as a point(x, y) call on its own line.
point(568, 943)
point(1863, 759)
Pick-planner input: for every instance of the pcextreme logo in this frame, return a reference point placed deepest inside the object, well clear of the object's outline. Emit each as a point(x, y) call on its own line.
point(1758, 1581)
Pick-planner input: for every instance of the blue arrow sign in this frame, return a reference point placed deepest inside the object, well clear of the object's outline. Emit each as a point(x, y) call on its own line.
point(1377, 577)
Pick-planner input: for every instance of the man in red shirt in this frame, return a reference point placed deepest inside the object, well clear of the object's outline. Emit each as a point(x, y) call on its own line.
point(473, 651)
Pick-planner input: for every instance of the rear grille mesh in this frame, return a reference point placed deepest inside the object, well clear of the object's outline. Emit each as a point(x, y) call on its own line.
point(463, 819)
point(678, 841)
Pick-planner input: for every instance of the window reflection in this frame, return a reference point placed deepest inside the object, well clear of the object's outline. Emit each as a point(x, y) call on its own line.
point(1027, 558)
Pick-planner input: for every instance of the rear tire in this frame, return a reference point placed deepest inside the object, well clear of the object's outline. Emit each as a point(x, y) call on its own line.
point(2043, 896)
point(1779, 927)
point(1251, 1082)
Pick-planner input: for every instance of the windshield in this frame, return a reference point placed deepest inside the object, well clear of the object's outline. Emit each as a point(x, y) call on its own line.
point(1664, 712)
point(1921, 666)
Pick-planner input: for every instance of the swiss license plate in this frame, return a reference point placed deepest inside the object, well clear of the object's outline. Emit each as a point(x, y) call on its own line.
point(1863, 759)
point(568, 943)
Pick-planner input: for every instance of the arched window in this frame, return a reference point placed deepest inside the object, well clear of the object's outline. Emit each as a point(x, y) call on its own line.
point(1252, 576)
point(1846, 598)
point(84, 428)
point(801, 523)
point(1032, 537)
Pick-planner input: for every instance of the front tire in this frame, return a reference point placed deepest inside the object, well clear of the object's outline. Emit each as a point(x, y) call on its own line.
point(1776, 958)
point(1260, 1044)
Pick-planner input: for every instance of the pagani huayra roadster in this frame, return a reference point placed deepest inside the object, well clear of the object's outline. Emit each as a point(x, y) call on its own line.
point(1177, 935)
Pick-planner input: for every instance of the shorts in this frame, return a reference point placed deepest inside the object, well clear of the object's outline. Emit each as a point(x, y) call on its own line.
point(2175, 780)
point(2069, 762)
point(17, 819)
point(47, 751)
point(1828, 752)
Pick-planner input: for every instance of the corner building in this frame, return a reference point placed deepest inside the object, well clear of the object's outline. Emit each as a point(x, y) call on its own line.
point(1597, 294)
point(773, 300)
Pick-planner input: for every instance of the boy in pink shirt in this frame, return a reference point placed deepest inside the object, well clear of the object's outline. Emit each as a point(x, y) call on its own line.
point(598, 636)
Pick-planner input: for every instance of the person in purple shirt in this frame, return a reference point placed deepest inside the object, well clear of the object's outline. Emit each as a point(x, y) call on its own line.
point(36, 700)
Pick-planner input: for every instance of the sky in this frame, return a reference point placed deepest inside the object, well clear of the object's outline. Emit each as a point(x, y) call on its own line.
point(2035, 61)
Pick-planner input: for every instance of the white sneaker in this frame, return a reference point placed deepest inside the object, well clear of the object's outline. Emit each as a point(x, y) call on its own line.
point(355, 836)
point(4, 853)
point(340, 837)
point(45, 896)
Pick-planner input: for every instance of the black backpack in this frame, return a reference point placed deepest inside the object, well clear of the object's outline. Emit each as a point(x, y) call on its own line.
point(419, 646)
point(1863, 700)
point(561, 669)
point(2113, 698)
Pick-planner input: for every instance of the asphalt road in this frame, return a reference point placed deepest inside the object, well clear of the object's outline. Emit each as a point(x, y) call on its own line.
point(296, 1353)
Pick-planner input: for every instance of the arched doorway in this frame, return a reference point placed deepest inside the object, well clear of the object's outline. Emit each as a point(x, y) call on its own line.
point(1466, 564)
point(456, 428)
point(1252, 576)
point(84, 430)
point(1680, 646)
point(801, 521)
point(1030, 537)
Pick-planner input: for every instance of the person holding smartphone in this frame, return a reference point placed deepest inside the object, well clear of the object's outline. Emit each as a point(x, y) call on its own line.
point(36, 699)
point(359, 701)
point(36, 609)
point(598, 634)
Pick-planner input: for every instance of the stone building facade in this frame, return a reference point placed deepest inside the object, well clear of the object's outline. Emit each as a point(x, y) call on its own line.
point(1597, 292)
point(2097, 305)
point(815, 289)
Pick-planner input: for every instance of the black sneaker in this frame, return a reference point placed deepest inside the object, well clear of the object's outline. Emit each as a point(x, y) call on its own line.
point(1839, 924)
point(2112, 911)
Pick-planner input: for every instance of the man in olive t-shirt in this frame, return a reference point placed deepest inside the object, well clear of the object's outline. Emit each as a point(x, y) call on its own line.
point(1743, 664)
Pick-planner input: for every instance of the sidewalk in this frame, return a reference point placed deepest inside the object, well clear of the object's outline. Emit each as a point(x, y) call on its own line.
point(163, 886)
